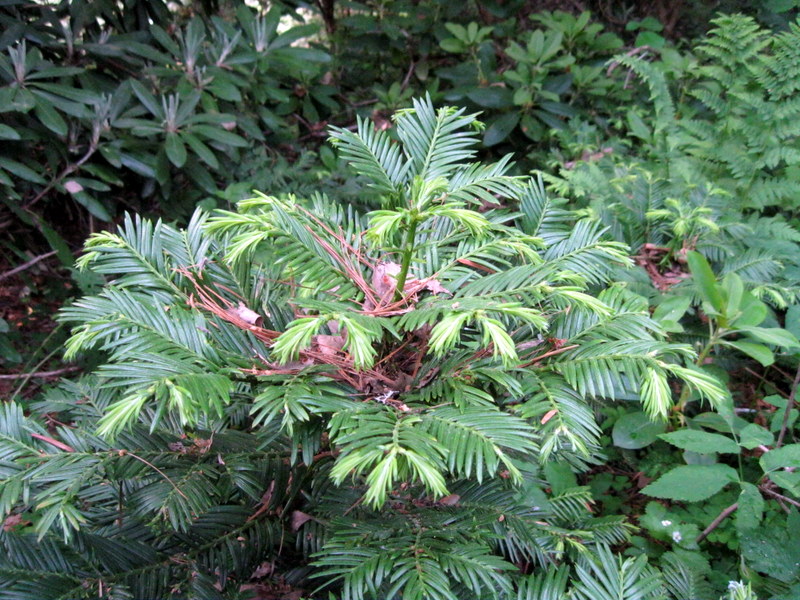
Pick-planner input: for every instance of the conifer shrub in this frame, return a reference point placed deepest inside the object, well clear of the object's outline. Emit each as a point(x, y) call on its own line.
point(386, 405)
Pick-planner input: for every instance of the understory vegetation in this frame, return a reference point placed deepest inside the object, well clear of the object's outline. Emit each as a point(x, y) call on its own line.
point(410, 300)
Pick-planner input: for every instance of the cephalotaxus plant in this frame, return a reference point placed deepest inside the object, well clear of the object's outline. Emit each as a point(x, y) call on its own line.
point(424, 357)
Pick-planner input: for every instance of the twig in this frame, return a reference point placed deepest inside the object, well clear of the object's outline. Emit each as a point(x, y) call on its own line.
point(789, 406)
point(38, 365)
point(356, 503)
point(766, 490)
point(715, 523)
point(52, 442)
point(364, 102)
point(547, 355)
point(418, 360)
point(765, 380)
point(68, 170)
point(407, 78)
point(785, 508)
point(151, 465)
point(781, 371)
point(55, 373)
point(26, 265)
point(263, 505)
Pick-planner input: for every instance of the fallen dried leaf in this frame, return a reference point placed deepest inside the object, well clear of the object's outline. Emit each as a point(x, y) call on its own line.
point(384, 279)
point(14, 521)
point(245, 314)
point(202, 445)
point(435, 287)
point(298, 518)
point(329, 345)
point(450, 500)
point(264, 569)
point(474, 265)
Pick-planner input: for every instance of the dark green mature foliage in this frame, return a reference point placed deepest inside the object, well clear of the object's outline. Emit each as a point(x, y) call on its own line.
point(312, 401)
point(139, 114)
point(534, 83)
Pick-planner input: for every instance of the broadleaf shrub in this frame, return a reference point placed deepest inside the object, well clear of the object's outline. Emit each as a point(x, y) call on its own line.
point(133, 116)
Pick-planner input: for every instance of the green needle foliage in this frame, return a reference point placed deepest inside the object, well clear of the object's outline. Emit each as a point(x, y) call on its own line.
point(374, 397)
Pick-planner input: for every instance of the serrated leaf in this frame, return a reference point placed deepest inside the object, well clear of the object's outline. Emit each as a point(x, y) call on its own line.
point(560, 476)
point(691, 483)
point(637, 126)
point(666, 525)
point(772, 550)
point(751, 507)
point(696, 458)
point(636, 430)
point(787, 456)
point(648, 38)
point(701, 442)
point(790, 481)
point(754, 435)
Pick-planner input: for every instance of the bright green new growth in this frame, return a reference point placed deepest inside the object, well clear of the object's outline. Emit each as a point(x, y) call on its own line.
point(443, 345)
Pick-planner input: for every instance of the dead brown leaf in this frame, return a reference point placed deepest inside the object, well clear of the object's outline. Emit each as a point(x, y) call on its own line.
point(245, 314)
point(434, 286)
point(298, 518)
point(264, 569)
point(651, 258)
point(202, 445)
point(384, 279)
point(13, 521)
point(328, 345)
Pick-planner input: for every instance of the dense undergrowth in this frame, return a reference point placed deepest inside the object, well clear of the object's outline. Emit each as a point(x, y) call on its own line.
point(515, 317)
